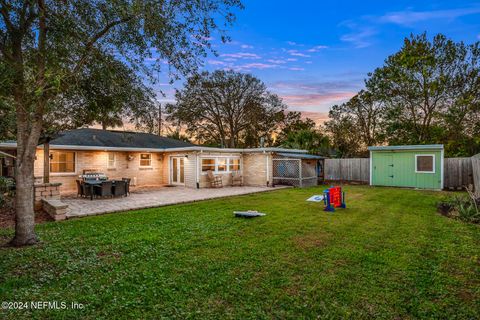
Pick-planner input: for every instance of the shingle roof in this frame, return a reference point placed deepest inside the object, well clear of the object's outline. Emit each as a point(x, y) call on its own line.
point(87, 137)
point(300, 155)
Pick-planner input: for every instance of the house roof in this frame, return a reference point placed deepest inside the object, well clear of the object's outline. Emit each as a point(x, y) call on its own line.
point(110, 140)
point(409, 147)
point(300, 155)
point(88, 137)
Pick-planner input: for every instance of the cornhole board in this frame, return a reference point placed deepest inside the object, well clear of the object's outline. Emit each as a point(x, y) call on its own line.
point(316, 198)
point(248, 214)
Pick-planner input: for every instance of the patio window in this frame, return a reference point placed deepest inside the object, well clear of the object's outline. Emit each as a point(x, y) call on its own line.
point(208, 164)
point(425, 163)
point(62, 162)
point(234, 164)
point(221, 164)
point(145, 160)
point(111, 160)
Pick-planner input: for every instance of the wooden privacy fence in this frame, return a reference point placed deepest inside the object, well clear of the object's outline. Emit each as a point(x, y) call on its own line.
point(458, 172)
point(355, 170)
point(476, 172)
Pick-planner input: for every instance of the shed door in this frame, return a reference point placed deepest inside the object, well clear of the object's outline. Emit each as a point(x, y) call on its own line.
point(383, 170)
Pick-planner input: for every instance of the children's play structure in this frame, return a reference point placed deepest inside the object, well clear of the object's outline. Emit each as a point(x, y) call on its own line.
point(333, 197)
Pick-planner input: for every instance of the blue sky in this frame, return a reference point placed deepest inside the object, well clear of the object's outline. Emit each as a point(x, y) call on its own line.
point(316, 54)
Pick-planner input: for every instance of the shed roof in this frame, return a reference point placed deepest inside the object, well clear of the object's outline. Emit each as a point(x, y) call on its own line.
point(408, 147)
point(300, 155)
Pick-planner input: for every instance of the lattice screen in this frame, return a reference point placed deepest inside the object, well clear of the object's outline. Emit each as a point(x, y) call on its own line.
point(287, 172)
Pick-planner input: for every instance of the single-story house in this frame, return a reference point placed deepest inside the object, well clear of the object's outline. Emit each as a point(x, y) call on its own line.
point(152, 160)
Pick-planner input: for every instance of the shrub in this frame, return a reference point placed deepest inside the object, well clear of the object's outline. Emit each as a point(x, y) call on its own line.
point(6, 191)
point(464, 208)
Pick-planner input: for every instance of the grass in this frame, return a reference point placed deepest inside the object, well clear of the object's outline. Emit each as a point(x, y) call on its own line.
point(388, 255)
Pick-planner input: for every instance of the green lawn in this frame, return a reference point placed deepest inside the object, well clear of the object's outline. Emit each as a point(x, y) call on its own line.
point(389, 255)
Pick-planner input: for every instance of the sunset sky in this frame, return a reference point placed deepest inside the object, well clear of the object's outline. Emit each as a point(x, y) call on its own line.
point(316, 54)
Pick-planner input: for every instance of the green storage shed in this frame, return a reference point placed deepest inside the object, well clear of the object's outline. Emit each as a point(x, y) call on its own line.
point(417, 166)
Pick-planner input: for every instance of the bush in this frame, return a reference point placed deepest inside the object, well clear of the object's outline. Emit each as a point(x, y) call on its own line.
point(7, 190)
point(464, 208)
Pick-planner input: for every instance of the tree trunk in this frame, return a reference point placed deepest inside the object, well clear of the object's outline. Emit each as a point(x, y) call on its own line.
point(25, 215)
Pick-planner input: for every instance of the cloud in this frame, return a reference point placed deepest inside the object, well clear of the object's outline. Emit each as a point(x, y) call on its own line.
point(250, 66)
point(296, 69)
point(278, 61)
point(296, 53)
point(217, 62)
point(361, 38)
point(317, 99)
point(293, 43)
point(246, 46)
point(317, 48)
point(241, 55)
point(409, 17)
point(316, 96)
point(318, 117)
point(292, 59)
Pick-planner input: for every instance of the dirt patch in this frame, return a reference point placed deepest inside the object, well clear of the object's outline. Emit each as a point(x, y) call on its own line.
point(311, 241)
point(7, 217)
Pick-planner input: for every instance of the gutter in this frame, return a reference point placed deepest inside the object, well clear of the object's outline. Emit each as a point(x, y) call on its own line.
point(179, 149)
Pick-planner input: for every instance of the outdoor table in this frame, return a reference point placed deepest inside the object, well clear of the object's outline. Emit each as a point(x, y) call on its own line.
point(91, 184)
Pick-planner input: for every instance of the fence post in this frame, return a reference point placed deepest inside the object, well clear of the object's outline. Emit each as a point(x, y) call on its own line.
point(476, 172)
point(300, 172)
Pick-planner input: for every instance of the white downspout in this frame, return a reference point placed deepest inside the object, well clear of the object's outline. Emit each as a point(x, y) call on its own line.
point(267, 168)
point(198, 169)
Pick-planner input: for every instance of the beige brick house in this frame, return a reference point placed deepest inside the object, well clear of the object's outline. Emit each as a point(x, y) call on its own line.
point(151, 160)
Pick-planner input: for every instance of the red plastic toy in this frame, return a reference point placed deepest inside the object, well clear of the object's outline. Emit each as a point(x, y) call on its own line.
point(334, 198)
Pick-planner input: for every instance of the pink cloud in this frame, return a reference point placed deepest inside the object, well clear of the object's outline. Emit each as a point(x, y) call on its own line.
point(316, 99)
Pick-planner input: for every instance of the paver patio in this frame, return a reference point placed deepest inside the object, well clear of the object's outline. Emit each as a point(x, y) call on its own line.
point(140, 199)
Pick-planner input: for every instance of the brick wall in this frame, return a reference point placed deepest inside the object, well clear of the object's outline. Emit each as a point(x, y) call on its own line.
point(47, 191)
point(255, 169)
point(98, 161)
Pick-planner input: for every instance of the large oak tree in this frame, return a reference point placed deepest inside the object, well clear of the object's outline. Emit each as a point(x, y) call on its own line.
point(228, 109)
point(46, 45)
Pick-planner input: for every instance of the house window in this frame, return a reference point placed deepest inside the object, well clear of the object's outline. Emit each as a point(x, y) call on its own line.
point(62, 162)
point(145, 160)
point(425, 163)
point(234, 164)
point(220, 164)
point(111, 160)
point(208, 164)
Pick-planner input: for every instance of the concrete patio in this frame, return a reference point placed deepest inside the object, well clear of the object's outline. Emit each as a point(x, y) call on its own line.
point(150, 198)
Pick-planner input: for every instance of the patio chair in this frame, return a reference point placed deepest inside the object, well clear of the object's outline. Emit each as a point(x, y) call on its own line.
point(104, 189)
point(237, 179)
point(127, 185)
point(120, 188)
point(215, 181)
point(80, 192)
point(87, 190)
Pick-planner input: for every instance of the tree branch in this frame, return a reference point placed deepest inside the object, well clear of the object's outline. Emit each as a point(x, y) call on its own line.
point(96, 37)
